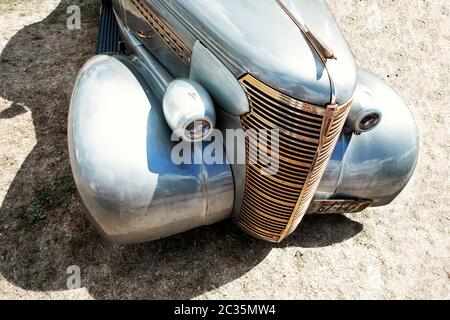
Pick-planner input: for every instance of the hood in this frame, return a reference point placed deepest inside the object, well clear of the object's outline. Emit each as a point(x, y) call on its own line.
point(261, 38)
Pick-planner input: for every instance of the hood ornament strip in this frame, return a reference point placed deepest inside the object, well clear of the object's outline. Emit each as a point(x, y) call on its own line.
point(324, 52)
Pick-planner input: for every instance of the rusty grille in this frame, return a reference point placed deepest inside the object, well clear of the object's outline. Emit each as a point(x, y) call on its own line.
point(164, 32)
point(273, 205)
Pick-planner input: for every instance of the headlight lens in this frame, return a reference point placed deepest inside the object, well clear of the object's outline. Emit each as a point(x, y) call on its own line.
point(369, 122)
point(198, 130)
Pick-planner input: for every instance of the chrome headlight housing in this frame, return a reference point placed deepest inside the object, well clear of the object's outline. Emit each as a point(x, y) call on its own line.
point(189, 110)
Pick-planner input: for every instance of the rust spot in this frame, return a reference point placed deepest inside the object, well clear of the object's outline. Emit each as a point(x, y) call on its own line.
point(193, 95)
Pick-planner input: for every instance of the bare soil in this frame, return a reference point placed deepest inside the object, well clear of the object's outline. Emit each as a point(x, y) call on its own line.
point(398, 251)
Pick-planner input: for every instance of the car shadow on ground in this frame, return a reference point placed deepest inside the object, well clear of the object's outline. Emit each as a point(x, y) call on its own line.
point(43, 229)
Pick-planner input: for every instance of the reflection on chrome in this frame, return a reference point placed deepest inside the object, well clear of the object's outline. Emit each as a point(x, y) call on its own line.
point(229, 109)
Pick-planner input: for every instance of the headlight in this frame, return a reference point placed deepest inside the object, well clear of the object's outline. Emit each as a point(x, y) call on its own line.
point(189, 110)
point(363, 119)
point(369, 121)
point(364, 114)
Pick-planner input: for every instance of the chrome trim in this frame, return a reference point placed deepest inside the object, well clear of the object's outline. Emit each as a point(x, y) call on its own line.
point(321, 49)
point(274, 205)
point(164, 32)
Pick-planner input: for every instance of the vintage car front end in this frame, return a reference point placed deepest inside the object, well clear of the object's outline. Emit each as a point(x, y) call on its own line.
point(343, 139)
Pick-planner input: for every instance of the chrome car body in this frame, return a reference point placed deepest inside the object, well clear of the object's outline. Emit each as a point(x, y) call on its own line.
point(121, 146)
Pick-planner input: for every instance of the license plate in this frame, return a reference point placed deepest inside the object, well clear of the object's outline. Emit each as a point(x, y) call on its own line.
point(337, 206)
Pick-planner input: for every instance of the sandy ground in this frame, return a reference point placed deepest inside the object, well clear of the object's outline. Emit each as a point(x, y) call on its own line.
point(398, 251)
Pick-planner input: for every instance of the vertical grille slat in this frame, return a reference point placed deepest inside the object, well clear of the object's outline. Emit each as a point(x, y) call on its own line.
point(274, 205)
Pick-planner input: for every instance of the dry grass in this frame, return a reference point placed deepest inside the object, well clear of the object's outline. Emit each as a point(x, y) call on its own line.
point(400, 251)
